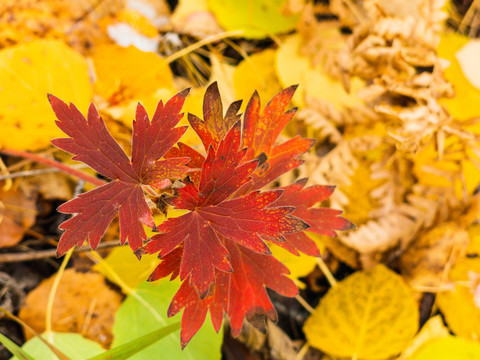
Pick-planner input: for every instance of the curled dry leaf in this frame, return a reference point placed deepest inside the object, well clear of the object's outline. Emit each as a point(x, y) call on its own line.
point(18, 211)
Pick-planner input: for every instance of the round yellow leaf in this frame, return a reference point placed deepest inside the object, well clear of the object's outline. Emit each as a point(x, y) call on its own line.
point(369, 315)
point(294, 68)
point(448, 348)
point(27, 73)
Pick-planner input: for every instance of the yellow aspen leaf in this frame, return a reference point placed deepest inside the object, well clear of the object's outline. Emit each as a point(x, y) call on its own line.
point(467, 96)
point(448, 348)
point(257, 72)
point(27, 73)
point(257, 18)
point(369, 315)
point(294, 68)
point(458, 305)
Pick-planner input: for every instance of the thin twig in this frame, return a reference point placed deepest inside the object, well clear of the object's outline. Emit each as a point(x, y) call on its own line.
point(199, 44)
point(42, 254)
point(55, 164)
point(28, 173)
point(467, 19)
point(22, 323)
point(304, 303)
point(326, 271)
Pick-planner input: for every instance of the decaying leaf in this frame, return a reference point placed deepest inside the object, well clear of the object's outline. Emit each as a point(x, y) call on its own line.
point(18, 211)
point(83, 304)
point(369, 315)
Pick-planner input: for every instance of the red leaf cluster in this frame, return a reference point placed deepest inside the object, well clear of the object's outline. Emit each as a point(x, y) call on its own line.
point(219, 249)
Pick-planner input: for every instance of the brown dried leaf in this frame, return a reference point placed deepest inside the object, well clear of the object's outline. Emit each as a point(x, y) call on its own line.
point(83, 304)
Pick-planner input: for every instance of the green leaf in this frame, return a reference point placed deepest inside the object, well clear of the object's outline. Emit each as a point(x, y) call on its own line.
point(257, 18)
point(132, 347)
point(14, 348)
point(146, 310)
point(75, 346)
point(369, 315)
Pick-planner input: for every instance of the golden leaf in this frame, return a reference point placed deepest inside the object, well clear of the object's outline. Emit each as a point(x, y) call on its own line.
point(458, 305)
point(465, 103)
point(27, 73)
point(126, 265)
point(257, 72)
point(431, 330)
point(293, 68)
point(299, 266)
point(369, 315)
point(447, 348)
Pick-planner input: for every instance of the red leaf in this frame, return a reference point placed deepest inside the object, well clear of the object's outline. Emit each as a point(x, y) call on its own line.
point(214, 127)
point(241, 293)
point(246, 220)
point(225, 263)
point(91, 143)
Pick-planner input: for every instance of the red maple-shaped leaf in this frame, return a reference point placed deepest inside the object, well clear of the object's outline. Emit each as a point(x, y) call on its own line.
point(247, 221)
point(241, 293)
point(237, 284)
point(91, 143)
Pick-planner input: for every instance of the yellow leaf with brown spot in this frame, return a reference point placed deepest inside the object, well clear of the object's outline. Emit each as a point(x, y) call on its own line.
point(27, 73)
point(369, 315)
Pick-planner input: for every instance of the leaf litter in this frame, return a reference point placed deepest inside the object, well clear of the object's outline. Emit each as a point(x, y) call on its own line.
point(388, 91)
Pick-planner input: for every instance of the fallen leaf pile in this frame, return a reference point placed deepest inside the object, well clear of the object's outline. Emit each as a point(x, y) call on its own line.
point(233, 211)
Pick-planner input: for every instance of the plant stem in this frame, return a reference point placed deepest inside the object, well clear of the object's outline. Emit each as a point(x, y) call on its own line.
point(53, 291)
point(53, 163)
point(326, 271)
point(199, 44)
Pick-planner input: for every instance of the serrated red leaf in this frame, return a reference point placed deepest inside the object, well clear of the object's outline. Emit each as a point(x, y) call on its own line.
point(246, 220)
point(90, 142)
point(241, 293)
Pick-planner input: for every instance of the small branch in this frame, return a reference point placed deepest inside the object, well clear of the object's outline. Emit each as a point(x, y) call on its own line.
point(199, 44)
point(304, 303)
point(42, 254)
point(326, 271)
point(55, 164)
